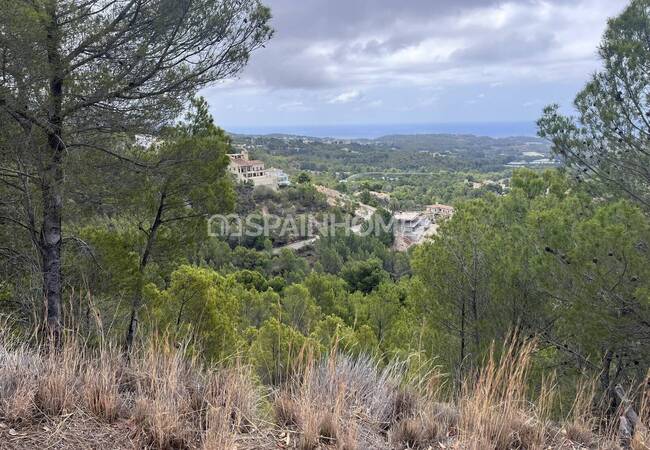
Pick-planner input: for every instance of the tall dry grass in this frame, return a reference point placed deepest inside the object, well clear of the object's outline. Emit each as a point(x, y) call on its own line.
point(343, 402)
point(496, 409)
point(170, 400)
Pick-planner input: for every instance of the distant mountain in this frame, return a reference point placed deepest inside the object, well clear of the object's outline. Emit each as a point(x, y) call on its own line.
point(374, 131)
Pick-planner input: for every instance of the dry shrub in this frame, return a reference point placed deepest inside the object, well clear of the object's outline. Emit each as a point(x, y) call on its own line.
point(425, 430)
point(579, 433)
point(287, 413)
point(640, 441)
point(403, 405)
point(328, 428)
point(18, 375)
point(219, 433)
point(310, 431)
point(339, 402)
point(446, 416)
point(348, 437)
point(232, 391)
point(230, 404)
point(641, 438)
point(58, 380)
point(408, 433)
point(494, 407)
point(19, 405)
point(334, 398)
point(161, 423)
point(578, 428)
point(101, 394)
point(162, 403)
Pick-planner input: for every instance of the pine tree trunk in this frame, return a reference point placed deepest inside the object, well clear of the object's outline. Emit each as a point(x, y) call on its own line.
point(50, 248)
point(52, 186)
point(137, 296)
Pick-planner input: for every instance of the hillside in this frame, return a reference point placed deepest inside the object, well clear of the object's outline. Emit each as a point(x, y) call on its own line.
point(168, 285)
point(432, 152)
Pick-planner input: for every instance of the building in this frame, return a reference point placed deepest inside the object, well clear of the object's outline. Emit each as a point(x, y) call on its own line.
point(439, 211)
point(412, 224)
point(253, 170)
point(280, 176)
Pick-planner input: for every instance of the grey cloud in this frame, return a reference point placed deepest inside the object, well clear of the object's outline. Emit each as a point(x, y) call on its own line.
point(345, 18)
point(288, 65)
point(509, 46)
point(326, 44)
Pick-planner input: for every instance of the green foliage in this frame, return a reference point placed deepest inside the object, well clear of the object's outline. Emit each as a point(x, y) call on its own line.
point(257, 307)
point(289, 266)
point(383, 307)
point(364, 276)
point(299, 308)
point(80, 80)
point(276, 348)
point(199, 304)
point(252, 280)
point(303, 178)
point(332, 333)
point(382, 226)
point(546, 259)
point(436, 154)
point(564, 259)
point(330, 293)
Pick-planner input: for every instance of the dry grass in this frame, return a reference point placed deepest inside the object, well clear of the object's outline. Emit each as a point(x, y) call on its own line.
point(495, 411)
point(58, 381)
point(101, 381)
point(163, 399)
point(18, 384)
point(641, 438)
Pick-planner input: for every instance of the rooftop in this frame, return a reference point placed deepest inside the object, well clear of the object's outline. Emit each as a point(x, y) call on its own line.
point(408, 216)
point(247, 162)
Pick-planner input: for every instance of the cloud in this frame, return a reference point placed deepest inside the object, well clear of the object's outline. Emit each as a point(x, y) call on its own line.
point(337, 52)
point(294, 106)
point(345, 97)
point(329, 44)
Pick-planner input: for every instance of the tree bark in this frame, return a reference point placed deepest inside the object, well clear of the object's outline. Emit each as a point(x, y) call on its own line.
point(50, 246)
point(52, 186)
point(628, 419)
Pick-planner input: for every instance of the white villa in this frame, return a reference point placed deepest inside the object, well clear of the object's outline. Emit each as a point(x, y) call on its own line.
point(411, 223)
point(413, 227)
point(253, 170)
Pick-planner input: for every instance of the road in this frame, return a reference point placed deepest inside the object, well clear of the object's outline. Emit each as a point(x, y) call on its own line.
point(363, 211)
point(358, 175)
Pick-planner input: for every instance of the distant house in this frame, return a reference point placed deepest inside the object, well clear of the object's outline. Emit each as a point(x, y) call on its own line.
point(253, 170)
point(439, 211)
point(412, 224)
point(280, 176)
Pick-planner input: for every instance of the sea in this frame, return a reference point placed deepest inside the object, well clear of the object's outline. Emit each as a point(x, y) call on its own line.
point(372, 131)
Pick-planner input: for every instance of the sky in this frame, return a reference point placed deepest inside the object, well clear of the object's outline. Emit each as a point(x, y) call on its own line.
point(344, 62)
